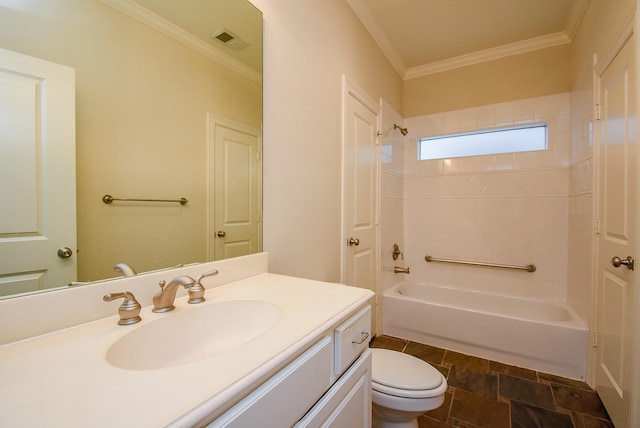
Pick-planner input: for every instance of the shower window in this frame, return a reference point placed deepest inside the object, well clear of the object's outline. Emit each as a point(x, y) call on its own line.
point(486, 142)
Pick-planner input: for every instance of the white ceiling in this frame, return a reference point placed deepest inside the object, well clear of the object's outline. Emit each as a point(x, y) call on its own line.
point(420, 37)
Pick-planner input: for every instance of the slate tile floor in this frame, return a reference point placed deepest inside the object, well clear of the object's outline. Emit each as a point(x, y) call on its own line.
point(488, 394)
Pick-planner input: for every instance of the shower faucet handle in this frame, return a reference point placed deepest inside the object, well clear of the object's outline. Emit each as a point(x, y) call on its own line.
point(397, 252)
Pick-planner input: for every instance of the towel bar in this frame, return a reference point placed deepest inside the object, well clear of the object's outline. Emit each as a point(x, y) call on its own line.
point(107, 199)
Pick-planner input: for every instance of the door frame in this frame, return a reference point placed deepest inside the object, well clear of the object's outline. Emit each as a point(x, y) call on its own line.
point(628, 32)
point(350, 88)
point(635, 401)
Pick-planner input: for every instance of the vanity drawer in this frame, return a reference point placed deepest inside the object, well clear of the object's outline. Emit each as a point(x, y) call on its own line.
point(287, 396)
point(351, 338)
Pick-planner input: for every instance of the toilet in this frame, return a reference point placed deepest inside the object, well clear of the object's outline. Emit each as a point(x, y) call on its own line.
point(403, 388)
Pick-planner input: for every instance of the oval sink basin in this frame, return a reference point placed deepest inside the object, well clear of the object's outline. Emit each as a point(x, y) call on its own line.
point(186, 336)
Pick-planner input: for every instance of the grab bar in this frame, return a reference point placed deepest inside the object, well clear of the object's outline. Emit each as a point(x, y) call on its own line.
point(528, 268)
point(107, 199)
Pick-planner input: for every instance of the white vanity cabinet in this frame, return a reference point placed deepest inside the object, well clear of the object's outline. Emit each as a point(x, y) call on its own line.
point(328, 385)
point(310, 367)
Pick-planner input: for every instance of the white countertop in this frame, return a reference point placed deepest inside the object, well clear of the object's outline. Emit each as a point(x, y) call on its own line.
point(62, 379)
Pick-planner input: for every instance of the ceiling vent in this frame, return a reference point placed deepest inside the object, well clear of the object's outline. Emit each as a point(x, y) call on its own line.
point(229, 39)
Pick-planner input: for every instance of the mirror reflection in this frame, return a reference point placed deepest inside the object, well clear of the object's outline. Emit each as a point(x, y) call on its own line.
point(164, 110)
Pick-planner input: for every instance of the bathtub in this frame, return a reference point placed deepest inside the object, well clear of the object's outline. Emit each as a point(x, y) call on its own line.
point(539, 335)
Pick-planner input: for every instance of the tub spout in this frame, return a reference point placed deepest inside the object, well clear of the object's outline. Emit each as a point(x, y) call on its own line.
point(398, 269)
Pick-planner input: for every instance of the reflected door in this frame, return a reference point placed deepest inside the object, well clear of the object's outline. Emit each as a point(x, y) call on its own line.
point(236, 228)
point(37, 174)
point(617, 199)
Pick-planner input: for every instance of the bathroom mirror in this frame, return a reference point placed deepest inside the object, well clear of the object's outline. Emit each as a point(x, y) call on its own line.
point(160, 86)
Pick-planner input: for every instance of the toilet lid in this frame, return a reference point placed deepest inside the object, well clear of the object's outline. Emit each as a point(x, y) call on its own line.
point(403, 372)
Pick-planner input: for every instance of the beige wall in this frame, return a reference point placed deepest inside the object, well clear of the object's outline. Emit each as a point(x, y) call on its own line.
point(142, 101)
point(527, 75)
point(309, 45)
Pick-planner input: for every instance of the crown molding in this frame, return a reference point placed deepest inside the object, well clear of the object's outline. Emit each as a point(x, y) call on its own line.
point(171, 30)
point(516, 48)
point(575, 17)
point(367, 18)
point(370, 23)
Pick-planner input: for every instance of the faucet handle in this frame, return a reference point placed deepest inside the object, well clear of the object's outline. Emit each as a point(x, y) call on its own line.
point(196, 290)
point(196, 293)
point(204, 275)
point(397, 252)
point(129, 310)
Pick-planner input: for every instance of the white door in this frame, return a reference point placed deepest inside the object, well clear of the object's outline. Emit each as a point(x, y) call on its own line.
point(360, 205)
point(37, 174)
point(236, 228)
point(617, 212)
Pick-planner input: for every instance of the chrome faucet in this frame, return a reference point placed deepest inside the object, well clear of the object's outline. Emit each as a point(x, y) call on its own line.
point(398, 269)
point(125, 269)
point(163, 300)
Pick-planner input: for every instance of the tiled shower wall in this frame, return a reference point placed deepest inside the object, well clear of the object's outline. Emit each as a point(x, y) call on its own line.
point(391, 194)
point(508, 208)
point(581, 227)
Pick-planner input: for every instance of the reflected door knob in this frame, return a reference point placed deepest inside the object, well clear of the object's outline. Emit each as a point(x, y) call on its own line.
point(221, 234)
point(354, 241)
point(628, 262)
point(64, 252)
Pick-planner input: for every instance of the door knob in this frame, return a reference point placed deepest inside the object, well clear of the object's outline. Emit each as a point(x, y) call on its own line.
point(64, 252)
point(221, 234)
point(354, 241)
point(628, 262)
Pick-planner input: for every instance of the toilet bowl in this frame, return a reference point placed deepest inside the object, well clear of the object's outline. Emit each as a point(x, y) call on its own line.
point(403, 388)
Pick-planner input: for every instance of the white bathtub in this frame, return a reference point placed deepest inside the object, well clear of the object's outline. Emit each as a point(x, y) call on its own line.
point(539, 335)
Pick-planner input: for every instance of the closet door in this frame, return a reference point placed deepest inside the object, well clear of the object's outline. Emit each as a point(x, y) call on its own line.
point(360, 193)
point(616, 282)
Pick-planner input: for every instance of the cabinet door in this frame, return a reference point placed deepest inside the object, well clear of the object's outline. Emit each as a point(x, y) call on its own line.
point(348, 403)
point(285, 397)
